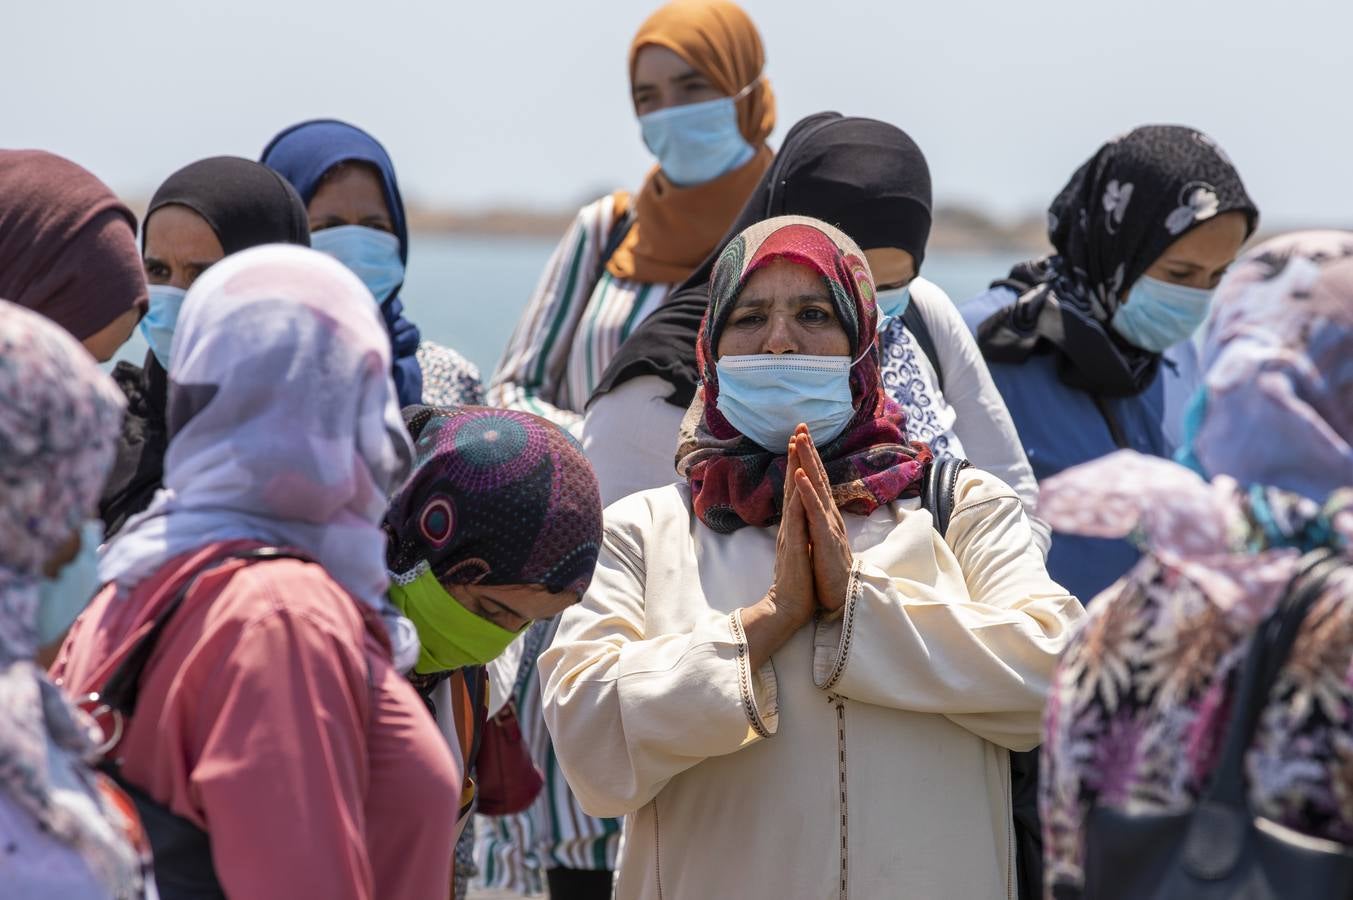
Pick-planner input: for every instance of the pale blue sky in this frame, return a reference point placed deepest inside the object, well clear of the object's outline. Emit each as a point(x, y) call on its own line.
point(527, 103)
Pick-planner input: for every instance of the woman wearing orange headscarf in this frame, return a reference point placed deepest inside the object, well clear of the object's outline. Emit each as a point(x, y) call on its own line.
point(705, 110)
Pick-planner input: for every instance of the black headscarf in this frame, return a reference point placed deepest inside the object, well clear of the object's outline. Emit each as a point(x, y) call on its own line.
point(246, 204)
point(1120, 211)
point(866, 177)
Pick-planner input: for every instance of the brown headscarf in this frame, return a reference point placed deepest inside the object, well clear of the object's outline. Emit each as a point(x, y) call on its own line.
point(675, 228)
point(67, 244)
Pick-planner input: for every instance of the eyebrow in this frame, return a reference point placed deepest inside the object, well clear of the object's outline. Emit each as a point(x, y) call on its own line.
point(762, 302)
point(1181, 262)
point(500, 603)
point(689, 75)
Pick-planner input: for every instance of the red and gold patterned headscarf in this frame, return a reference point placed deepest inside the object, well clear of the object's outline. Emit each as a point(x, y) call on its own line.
point(734, 481)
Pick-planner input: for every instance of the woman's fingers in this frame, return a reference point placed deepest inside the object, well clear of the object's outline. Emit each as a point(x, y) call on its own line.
point(818, 521)
point(811, 463)
point(795, 520)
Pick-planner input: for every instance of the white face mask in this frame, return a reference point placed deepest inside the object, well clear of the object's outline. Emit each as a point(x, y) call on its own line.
point(371, 254)
point(766, 395)
point(1157, 314)
point(892, 303)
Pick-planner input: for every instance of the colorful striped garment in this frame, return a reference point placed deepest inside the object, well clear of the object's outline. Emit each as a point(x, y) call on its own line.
point(576, 321)
point(513, 852)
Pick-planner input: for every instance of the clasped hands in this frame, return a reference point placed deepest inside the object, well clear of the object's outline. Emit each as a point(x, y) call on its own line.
point(813, 559)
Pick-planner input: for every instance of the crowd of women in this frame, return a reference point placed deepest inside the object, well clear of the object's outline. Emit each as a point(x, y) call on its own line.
point(285, 606)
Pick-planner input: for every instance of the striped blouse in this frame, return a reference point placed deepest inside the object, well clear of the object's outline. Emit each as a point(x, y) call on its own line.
point(576, 321)
point(513, 852)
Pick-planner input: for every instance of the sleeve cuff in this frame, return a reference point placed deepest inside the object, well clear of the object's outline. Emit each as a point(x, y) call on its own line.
point(832, 635)
point(759, 689)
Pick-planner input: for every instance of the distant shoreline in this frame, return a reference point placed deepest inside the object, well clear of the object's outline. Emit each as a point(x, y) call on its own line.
point(956, 229)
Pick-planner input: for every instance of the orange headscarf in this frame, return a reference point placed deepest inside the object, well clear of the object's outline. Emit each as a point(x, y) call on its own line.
point(675, 228)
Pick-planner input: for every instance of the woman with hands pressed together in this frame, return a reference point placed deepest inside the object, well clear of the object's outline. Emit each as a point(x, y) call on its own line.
point(781, 658)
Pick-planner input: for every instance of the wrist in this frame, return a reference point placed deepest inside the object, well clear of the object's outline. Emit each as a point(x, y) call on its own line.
point(767, 627)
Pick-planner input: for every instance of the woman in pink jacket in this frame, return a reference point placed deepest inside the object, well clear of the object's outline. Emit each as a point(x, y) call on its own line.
point(270, 720)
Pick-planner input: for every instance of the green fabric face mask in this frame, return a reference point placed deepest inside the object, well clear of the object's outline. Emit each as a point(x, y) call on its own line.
point(449, 635)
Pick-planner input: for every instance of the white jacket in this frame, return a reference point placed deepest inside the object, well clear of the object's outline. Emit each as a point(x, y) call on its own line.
point(867, 759)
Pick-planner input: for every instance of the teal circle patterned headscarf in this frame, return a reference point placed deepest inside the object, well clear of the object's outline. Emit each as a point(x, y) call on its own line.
point(496, 497)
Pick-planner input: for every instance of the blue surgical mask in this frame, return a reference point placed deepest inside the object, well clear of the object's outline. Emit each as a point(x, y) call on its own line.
point(697, 142)
point(161, 318)
point(892, 303)
point(63, 598)
point(766, 395)
point(1157, 314)
point(371, 254)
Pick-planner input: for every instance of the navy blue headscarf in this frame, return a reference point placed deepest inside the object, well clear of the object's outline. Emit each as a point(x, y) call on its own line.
point(303, 154)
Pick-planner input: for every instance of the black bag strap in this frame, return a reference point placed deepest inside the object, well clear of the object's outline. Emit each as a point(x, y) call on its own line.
point(1111, 421)
point(937, 491)
point(620, 229)
point(915, 322)
point(122, 689)
point(1268, 651)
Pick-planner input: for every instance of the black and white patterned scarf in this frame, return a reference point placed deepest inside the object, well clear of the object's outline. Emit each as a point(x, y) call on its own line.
point(1119, 212)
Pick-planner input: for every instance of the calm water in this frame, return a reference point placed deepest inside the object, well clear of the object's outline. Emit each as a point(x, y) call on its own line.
point(467, 292)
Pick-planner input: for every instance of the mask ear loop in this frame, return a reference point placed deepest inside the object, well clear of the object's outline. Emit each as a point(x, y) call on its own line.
point(751, 85)
point(859, 359)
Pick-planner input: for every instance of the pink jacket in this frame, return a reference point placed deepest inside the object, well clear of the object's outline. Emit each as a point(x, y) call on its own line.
point(271, 716)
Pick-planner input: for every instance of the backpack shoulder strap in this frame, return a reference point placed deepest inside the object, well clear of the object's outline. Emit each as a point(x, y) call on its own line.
point(937, 491)
point(121, 690)
point(915, 322)
point(620, 229)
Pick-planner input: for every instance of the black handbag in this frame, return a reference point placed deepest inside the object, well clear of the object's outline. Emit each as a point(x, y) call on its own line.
point(1220, 848)
point(937, 497)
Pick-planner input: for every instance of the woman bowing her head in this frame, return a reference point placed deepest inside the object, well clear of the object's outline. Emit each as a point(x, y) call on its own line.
point(498, 526)
point(791, 600)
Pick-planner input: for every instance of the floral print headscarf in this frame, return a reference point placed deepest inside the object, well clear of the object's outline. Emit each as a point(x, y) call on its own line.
point(734, 481)
point(1278, 358)
point(1119, 212)
point(1139, 700)
point(59, 422)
